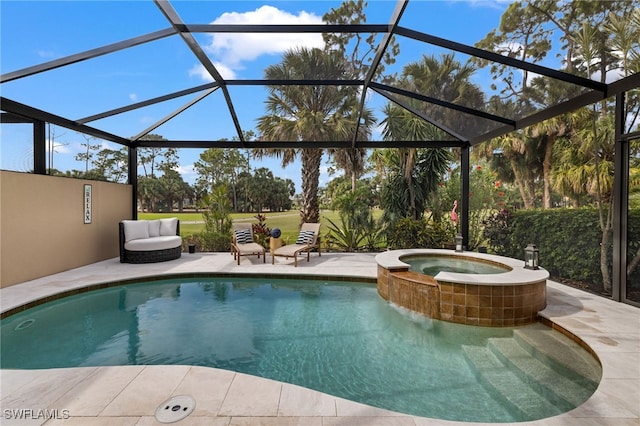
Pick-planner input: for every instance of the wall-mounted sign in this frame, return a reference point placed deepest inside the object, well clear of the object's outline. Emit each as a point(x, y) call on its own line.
point(87, 203)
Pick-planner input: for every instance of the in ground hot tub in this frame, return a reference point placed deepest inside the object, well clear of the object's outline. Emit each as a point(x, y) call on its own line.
point(489, 290)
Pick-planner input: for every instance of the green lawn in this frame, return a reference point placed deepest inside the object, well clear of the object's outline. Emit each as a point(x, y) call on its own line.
point(288, 222)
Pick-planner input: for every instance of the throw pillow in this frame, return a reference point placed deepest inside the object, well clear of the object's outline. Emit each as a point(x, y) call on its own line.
point(243, 236)
point(154, 228)
point(135, 229)
point(305, 237)
point(168, 226)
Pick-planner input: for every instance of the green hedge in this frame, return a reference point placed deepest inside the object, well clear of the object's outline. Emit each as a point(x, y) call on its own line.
point(569, 241)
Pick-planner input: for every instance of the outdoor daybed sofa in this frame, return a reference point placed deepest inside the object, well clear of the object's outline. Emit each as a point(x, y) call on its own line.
point(306, 241)
point(243, 244)
point(150, 241)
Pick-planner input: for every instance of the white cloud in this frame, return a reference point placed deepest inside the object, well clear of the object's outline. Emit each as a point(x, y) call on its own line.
point(200, 71)
point(232, 50)
point(492, 4)
point(186, 170)
point(58, 147)
point(107, 145)
point(612, 75)
point(46, 54)
point(133, 97)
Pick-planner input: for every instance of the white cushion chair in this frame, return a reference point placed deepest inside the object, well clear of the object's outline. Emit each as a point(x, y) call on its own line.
point(149, 241)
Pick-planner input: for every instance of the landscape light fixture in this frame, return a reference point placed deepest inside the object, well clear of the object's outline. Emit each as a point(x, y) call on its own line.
point(459, 243)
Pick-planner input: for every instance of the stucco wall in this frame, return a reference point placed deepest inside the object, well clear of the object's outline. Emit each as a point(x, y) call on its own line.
point(42, 229)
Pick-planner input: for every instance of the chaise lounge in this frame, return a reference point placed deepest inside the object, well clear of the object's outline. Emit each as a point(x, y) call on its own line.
point(150, 241)
point(242, 243)
point(307, 240)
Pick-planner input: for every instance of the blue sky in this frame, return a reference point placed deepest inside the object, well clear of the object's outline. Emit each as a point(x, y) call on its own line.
point(33, 32)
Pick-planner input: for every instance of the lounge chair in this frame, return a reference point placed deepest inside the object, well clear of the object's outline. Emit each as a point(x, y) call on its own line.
point(307, 240)
point(242, 243)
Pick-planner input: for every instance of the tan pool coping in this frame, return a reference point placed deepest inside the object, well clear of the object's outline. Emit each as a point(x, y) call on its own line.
point(129, 395)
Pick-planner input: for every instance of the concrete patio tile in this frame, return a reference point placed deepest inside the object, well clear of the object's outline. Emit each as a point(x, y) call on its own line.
point(299, 401)
point(95, 421)
point(44, 393)
point(276, 421)
point(348, 408)
point(12, 381)
point(620, 365)
point(425, 421)
point(189, 421)
point(208, 386)
point(251, 396)
point(150, 388)
point(574, 421)
point(368, 421)
point(93, 394)
point(614, 398)
point(612, 342)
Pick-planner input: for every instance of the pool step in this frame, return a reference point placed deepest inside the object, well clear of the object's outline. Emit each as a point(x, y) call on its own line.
point(560, 351)
point(535, 371)
point(507, 387)
point(566, 389)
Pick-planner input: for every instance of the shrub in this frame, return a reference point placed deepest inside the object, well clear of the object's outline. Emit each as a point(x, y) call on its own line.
point(211, 241)
point(569, 242)
point(497, 231)
point(410, 233)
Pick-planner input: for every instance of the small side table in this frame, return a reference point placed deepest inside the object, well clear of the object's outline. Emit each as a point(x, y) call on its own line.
point(274, 243)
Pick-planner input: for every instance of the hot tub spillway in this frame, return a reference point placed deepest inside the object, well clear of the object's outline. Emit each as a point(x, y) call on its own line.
point(505, 299)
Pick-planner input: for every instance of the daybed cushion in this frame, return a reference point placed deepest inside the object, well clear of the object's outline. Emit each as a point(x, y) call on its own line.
point(135, 229)
point(157, 243)
point(154, 228)
point(168, 226)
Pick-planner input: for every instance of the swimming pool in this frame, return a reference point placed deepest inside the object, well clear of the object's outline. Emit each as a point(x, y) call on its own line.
point(336, 337)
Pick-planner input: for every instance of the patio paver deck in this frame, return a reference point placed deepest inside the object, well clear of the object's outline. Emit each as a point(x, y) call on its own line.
point(129, 395)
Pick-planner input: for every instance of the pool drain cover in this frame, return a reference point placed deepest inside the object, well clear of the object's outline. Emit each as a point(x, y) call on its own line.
point(175, 409)
point(24, 324)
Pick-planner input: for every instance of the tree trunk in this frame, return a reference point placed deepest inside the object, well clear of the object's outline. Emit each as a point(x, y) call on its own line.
point(604, 260)
point(546, 171)
point(526, 198)
point(634, 263)
point(311, 160)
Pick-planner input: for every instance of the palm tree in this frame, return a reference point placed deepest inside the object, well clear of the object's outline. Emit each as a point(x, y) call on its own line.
point(445, 79)
point(308, 113)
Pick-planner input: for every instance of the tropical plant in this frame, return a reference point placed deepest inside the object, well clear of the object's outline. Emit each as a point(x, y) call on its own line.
point(217, 220)
point(344, 235)
point(261, 231)
point(357, 228)
point(218, 208)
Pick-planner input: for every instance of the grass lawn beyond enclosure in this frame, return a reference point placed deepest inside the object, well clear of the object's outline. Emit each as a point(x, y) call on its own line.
point(288, 222)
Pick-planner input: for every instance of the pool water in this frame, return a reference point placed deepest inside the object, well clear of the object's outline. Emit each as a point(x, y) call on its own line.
point(431, 265)
point(335, 337)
